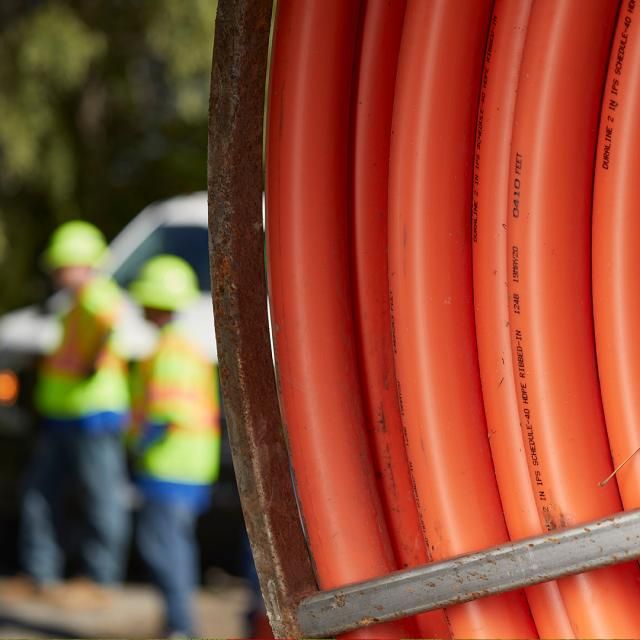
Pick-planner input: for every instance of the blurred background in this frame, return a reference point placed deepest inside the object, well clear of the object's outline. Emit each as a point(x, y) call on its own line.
point(103, 111)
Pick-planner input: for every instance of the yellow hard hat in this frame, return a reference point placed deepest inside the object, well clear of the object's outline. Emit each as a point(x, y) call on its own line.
point(165, 282)
point(75, 243)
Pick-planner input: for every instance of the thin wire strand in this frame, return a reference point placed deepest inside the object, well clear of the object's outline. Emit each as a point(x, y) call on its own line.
point(602, 483)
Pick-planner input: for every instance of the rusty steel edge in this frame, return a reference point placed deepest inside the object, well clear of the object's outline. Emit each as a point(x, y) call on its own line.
point(240, 309)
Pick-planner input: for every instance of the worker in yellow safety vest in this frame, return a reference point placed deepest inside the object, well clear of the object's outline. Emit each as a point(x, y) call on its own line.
point(175, 438)
point(82, 397)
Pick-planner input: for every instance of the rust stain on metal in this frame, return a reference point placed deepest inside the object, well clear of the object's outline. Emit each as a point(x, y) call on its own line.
point(239, 299)
point(340, 600)
point(478, 576)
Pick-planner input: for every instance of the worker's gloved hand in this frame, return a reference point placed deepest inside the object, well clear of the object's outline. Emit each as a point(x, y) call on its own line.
point(151, 433)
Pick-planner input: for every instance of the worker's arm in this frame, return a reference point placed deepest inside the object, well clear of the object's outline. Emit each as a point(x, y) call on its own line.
point(163, 398)
point(101, 305)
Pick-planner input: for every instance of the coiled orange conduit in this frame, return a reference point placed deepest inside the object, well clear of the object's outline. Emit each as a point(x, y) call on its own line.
point(311, 298)
point(553, 149)
point(616, 251)
point(489, 234)
point(373, 100)
point(432, 302)
point(548, 262)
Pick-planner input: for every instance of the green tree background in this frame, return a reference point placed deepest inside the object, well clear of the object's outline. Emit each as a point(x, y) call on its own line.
point(103, 109)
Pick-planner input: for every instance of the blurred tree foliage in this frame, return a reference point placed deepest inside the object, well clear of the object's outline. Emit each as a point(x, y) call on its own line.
point(103, 109)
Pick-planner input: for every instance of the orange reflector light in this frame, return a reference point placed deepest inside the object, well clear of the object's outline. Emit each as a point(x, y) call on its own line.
point(9, 387)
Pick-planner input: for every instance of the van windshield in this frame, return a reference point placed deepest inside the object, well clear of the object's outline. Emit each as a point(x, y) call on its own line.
point(189, 243)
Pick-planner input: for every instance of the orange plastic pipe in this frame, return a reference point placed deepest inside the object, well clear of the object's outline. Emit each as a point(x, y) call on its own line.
point(489, 233)
point(373, 108)
point(549, 227)
point(616, 251)
point(431, 172)
point(311, 297)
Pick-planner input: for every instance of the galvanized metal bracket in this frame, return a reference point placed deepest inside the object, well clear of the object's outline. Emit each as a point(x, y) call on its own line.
point(477, 575)
point(240, 309)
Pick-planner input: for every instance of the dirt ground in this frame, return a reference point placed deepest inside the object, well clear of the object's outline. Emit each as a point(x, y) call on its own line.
point(134, 611)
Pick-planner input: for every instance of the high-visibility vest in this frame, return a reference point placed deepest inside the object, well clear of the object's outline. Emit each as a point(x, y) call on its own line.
point(176, 413)
point(84, 381)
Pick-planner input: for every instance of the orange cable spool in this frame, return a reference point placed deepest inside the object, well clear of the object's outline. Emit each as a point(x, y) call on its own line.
point(311, 297)
point(373, 108)
point(616, 251)
point(489, 233)
point(553, 148)
point(431, 172)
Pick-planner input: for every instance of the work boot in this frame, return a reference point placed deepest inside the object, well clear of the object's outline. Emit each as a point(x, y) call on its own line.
point(82, 594)
point(23, 588)
point(18, 588)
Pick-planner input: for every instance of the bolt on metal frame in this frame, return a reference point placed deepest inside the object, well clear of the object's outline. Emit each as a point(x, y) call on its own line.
point(294, 604)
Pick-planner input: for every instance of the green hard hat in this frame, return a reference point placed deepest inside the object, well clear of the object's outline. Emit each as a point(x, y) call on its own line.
point(165, 282)
point(75, 243)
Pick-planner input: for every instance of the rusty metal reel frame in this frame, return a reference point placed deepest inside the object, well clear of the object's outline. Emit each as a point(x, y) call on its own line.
point(294, 604)
point(240, 308)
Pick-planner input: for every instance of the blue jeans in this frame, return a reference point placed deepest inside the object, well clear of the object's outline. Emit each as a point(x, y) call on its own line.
point(256, 603)
point(167, 543)
point(92, 466)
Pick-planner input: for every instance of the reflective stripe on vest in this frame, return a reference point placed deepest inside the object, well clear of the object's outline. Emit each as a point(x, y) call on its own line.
point(85, 375)
point(177, 387)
